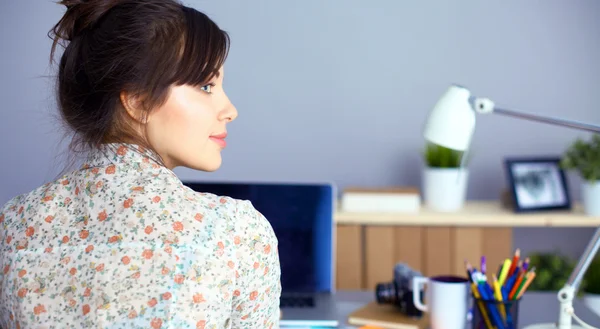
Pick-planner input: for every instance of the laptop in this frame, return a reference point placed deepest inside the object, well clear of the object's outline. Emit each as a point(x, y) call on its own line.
point(302, 218)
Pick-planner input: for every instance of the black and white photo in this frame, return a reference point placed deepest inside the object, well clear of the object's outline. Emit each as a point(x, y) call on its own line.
point(537, 184)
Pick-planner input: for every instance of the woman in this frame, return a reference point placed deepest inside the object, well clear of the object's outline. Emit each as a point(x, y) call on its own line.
point(120, 242)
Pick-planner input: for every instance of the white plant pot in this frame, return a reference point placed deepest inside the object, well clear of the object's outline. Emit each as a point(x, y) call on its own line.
point(445, 189)
point(591, 198)
point(592, 301)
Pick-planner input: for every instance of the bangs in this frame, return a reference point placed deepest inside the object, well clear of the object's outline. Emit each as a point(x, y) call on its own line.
point(205, 48)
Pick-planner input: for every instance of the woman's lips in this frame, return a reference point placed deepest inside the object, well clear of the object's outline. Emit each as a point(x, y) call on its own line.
point(219, 139)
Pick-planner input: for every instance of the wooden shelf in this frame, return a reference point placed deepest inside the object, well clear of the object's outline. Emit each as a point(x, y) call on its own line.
point(475, 213)
point(370, 244)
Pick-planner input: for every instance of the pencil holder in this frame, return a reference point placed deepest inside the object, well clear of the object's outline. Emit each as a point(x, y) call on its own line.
point(490, 314)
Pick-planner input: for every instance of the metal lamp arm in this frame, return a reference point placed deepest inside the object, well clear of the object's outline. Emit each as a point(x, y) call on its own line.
point(570, 289)
point(584, 261)
point(550, 120)
point(484, 105)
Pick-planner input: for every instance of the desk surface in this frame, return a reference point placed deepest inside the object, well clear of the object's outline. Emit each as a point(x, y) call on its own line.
point(536, 307)
point(474, 213)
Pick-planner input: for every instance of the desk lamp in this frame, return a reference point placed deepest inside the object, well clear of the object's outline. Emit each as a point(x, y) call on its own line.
point(451, 124)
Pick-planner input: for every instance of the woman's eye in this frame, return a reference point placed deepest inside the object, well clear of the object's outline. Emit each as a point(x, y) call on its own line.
point(206, 88)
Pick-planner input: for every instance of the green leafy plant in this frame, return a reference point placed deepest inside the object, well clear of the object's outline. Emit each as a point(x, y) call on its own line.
point(584, 156)
point(437, 156)
point(552, 270)
point(592, 277)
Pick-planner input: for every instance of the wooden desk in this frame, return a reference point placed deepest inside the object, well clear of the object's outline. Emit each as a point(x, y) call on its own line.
point(369, 245)
point(535, 307)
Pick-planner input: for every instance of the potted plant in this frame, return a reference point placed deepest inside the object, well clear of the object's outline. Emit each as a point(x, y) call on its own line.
point(584, 157)
point(444, 180)
point(552, 270)
point(592, 286)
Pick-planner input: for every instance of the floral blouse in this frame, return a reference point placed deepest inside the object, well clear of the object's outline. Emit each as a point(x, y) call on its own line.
point(122, 243)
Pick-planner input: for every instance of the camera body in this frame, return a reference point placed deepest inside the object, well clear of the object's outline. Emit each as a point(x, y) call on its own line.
point(399, 292)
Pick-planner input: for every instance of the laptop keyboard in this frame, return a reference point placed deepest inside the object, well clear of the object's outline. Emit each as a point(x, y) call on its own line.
point(297, 301)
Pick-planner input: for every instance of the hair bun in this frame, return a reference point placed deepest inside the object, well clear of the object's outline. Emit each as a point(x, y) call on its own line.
point(80, 15)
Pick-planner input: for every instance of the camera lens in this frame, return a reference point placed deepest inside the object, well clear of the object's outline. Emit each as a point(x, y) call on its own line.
point(386, 293)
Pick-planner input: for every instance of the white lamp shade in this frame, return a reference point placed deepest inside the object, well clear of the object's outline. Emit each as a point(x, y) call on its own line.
point(452, 121)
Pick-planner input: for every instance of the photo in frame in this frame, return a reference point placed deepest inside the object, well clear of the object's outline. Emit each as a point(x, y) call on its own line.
point(537, 184)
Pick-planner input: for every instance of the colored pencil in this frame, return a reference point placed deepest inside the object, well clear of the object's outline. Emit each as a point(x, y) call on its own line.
point(504, 272)
point(483, 265)
point(469, 270)
point(509, 283)
point(515, 261)
point(530, 277)
point(519, 267)
point(517, 285)
point(526, 264)
point(481, 306)
point(498, 295)
point(487, 295)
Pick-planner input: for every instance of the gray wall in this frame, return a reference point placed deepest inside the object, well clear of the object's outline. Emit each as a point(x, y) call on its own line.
point(338, 90)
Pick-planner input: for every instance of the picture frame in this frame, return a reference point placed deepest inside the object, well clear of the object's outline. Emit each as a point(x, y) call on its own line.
point(537, 184)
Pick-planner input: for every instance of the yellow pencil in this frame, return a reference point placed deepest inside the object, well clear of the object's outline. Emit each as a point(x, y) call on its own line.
point(481, 306)
point(498, 294)
point(504, 271)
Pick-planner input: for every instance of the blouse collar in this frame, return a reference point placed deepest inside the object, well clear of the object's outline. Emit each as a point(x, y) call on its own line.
point(121, 153)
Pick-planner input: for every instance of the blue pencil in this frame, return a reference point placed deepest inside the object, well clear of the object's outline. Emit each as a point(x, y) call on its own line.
point(487, 295)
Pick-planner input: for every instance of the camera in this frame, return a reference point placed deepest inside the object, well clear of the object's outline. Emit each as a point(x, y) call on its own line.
point(399, 292)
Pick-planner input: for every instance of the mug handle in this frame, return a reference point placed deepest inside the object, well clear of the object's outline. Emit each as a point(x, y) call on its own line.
point(418, 282)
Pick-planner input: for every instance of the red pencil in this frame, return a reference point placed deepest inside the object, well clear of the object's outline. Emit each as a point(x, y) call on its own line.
point(514, 263)
point(520, 276)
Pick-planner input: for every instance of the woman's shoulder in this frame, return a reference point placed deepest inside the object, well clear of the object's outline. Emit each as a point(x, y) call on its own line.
point(16, 205)
point(245, 218)
point(239, 209)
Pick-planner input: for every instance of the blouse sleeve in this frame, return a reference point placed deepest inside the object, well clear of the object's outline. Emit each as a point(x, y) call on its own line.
point(258, 286)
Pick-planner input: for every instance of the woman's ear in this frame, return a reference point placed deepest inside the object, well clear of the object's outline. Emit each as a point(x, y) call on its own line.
point(133, 105)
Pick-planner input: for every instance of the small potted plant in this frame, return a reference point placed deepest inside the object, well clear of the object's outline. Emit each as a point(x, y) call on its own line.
point(444, 180)
point(584, 157)
point(552, 270)
point(592, 286)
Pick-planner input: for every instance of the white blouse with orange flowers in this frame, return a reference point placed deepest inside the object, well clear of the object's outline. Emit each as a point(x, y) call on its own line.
point(122, 243)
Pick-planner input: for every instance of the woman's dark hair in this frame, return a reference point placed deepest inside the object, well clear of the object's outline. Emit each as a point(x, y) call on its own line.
point(138, 46)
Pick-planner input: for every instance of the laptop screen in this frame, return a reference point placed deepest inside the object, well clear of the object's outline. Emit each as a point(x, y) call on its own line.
point(302, 218)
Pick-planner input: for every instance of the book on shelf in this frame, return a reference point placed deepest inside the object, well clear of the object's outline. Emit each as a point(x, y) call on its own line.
point(381, 200)
point(385, 316)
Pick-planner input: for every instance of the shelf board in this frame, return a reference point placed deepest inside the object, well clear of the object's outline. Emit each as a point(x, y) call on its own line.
point(475, 213)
